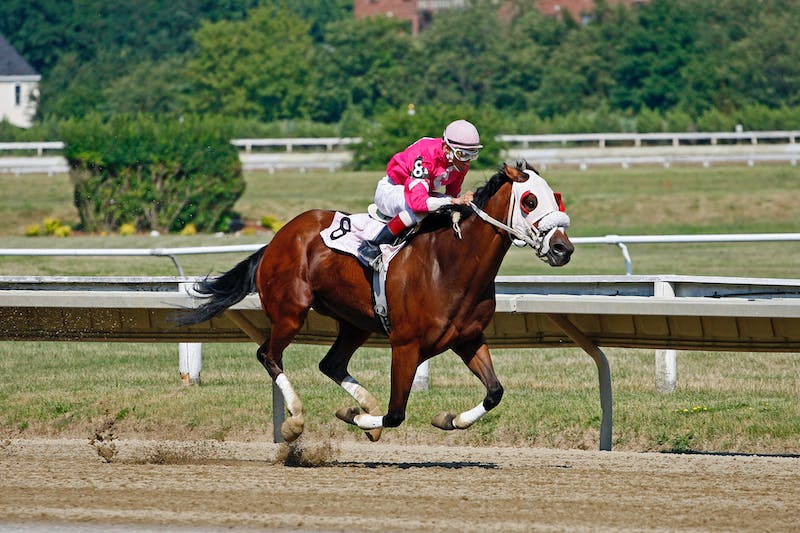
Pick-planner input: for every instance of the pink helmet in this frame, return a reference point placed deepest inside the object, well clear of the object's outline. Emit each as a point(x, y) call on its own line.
point(462, 134)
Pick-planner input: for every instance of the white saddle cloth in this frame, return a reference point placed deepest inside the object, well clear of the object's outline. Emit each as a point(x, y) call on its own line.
point(347, 232)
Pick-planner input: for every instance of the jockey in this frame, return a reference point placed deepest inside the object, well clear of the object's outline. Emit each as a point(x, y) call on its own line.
point(410, 189)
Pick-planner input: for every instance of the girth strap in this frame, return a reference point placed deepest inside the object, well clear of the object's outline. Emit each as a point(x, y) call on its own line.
point(379, 302)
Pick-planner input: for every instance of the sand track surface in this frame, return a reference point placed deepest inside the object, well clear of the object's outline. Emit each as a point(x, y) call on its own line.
point(378, 487)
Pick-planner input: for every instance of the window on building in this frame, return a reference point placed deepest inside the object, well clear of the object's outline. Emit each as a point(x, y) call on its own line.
point(17, 94)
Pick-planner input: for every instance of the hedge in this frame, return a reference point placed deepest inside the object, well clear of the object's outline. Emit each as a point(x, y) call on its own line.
point(155, 174)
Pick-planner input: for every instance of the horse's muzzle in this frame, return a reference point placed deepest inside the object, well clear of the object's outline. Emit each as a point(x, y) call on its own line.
point(561, 249)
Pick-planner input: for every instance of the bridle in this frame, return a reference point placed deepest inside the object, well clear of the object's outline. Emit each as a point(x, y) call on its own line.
point(537, 238)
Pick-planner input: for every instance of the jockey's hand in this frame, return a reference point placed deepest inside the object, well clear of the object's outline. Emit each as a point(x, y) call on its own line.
point(464, 199)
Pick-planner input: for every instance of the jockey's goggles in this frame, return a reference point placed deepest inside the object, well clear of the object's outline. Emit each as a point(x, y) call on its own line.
point(463, 154)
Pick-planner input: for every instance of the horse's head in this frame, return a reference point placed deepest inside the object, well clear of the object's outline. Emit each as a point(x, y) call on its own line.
point(537, 215)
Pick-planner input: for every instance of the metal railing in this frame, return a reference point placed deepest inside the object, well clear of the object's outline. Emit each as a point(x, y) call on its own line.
point(330, 143)
point(570, 149)
point(620, 241)
point(640, 139)
point(39, 146)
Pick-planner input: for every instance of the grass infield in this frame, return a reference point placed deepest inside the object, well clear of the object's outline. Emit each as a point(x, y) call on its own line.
point(725, 402)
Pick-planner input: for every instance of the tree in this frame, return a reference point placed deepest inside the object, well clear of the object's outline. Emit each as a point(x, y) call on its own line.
point(575, 78)
point(652, 55)
point(364, 63)
point(461, 57)
point(765, 65)
point(150, 87)
point(257, 67)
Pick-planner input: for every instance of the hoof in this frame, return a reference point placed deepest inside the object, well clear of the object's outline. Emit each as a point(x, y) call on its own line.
point(444, 421)
point(373, 435)
point(348, 414)
point(292, 428)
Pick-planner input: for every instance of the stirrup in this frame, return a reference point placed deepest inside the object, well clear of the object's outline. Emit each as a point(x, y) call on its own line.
point(371, 254)
point(377, 214)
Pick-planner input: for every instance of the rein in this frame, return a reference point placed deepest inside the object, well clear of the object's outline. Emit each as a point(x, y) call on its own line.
point(535, 244)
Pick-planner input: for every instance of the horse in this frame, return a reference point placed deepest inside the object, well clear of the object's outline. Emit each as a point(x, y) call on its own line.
point(439, 290)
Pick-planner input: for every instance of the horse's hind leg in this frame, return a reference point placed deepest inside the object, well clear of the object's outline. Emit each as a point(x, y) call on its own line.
point(270, 354)
point(476, 356)
point(334, 365)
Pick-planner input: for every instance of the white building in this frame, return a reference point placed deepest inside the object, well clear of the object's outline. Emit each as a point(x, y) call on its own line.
point(19, 87)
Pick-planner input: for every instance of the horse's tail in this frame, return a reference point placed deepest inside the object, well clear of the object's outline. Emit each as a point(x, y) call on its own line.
point(224, 291)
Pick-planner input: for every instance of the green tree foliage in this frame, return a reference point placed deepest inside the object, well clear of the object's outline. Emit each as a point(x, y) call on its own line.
point(373, 78)
point(149, 87)
point(152, 173)
point(82, 46)
point(268, 60)
point(256, 67)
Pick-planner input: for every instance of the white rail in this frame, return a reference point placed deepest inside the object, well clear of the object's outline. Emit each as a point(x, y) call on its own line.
point(621, 241)
point(640, 139)
point(171, 253)
point(40, 147)
point(290, 143)
point(569, 149)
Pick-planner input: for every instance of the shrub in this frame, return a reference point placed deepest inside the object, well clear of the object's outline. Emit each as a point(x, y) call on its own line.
point(34, 230)
point(157, 174)
point(270, 222)
point(127, 229)
point(189, 229)
point(62, 231)
point(50, 225)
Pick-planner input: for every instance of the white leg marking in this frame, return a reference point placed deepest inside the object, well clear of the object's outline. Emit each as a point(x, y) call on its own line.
point(293, 402)
point(467, 418)
point(364, 398)
point(368, 421)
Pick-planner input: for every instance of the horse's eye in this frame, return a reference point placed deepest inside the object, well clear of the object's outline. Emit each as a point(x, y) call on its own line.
point(528, 202)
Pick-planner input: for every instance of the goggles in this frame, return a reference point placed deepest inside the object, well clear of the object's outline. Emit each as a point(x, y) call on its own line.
point(463, 154)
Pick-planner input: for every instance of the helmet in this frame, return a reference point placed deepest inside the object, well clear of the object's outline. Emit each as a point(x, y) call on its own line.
point(462, 134)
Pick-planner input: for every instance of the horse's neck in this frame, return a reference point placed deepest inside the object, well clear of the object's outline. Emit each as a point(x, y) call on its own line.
point(494, 241)
point(486, 245)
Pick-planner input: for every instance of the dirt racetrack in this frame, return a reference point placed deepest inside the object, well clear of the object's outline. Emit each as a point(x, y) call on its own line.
point(379, 487)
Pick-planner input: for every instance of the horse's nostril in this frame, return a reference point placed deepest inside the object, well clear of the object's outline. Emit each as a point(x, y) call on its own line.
point(561, 249)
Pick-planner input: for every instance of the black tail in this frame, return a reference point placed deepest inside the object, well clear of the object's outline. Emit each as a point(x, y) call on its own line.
point(224, 291)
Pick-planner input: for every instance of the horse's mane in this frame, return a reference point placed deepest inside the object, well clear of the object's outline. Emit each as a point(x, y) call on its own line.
point(442, 218)
point(488, 189)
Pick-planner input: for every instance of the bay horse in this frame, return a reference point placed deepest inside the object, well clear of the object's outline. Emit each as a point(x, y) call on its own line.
point(439, 290)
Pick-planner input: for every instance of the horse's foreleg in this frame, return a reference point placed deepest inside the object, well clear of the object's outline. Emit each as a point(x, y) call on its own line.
point(404, 366)
point(480, 362)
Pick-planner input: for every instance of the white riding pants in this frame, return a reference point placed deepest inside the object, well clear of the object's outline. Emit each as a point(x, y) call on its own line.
point(391, 200)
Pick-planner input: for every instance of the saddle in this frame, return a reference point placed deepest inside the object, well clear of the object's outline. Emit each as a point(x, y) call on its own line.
point(347, 232)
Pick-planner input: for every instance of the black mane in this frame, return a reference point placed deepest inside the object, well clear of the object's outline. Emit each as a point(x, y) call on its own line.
point(442, 218)
point(492, 185)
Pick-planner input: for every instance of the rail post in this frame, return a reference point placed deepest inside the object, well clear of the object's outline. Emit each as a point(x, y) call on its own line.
point(666, 360)
point(190, 354)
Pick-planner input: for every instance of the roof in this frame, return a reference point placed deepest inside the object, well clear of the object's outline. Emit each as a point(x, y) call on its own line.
point(11, 63)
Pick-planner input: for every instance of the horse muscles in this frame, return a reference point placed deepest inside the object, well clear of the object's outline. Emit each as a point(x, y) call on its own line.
point(440, 293)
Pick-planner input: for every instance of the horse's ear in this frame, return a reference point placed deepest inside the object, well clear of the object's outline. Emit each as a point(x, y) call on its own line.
point(517, 173)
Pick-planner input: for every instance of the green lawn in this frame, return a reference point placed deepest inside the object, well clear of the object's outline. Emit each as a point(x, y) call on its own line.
point(725, 402)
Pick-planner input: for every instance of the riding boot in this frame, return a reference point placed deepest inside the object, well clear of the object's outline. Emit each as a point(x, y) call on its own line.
point(370, 251)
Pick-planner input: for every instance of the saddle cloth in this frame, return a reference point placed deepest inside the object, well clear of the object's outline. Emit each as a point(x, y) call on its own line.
point(347, 232)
